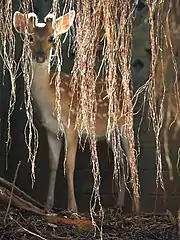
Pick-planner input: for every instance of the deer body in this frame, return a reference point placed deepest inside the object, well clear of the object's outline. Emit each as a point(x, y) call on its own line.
point(43, 93)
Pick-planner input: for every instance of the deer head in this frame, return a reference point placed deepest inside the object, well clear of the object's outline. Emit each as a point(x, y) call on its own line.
point(42, 36)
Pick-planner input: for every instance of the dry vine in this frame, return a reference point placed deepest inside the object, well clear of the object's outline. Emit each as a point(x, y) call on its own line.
point(115, 19)
point(163, 88)
point(156, 110)
point(7, 51)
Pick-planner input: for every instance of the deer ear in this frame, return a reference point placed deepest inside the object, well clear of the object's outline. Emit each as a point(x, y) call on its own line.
point(19, 22)
point(63, 23)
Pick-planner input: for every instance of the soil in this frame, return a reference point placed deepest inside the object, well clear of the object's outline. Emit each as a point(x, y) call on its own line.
point(23, 225)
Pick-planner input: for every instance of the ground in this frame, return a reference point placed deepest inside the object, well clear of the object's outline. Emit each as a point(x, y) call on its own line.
point(24, 225)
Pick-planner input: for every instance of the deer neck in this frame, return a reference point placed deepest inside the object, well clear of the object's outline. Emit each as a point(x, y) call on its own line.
point(40, 73)
point(40, 88)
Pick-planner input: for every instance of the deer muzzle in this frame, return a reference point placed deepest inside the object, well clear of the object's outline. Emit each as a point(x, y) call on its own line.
point(40, 57)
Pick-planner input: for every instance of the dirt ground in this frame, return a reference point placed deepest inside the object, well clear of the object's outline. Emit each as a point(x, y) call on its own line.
point(23, 225)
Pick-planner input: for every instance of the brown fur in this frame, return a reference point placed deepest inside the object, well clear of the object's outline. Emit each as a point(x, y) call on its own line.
point(66, 95)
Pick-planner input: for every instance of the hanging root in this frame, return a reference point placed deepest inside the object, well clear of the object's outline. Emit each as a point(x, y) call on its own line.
point(7, 53)
point(156, 112)
point(164, 86)
point(30, 131)
point(105, 28)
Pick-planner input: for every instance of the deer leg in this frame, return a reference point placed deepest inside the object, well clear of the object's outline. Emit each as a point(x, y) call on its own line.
point(71, 139)
point(122, 188)
point(54, 155)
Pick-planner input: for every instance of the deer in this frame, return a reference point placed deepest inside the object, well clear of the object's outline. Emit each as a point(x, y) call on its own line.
point(42, 37)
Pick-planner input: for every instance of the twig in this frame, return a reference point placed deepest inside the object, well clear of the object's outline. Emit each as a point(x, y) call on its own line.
point(8, 184)
point(173, 221)
point(38, 231)
point(26, 230)
point(12, 189)
point(19, 202)
point(58, 237)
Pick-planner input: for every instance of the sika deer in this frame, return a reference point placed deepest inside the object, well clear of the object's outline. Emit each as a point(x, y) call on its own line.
point(42, 37)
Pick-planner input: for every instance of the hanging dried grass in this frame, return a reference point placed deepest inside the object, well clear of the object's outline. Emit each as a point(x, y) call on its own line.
point(88, 18)
point(57, 79)
point(7, 51)
point(172, 85)
point(163, 84)
point(30, 131)
point(156, 110)
point(116, 19)
point(127, 10)
point(7, 40)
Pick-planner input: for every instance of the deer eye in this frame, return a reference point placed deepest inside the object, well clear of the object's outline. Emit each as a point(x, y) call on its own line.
point(51, 39)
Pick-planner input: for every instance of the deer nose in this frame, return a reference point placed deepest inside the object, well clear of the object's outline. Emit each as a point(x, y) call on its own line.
point(40, 57)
